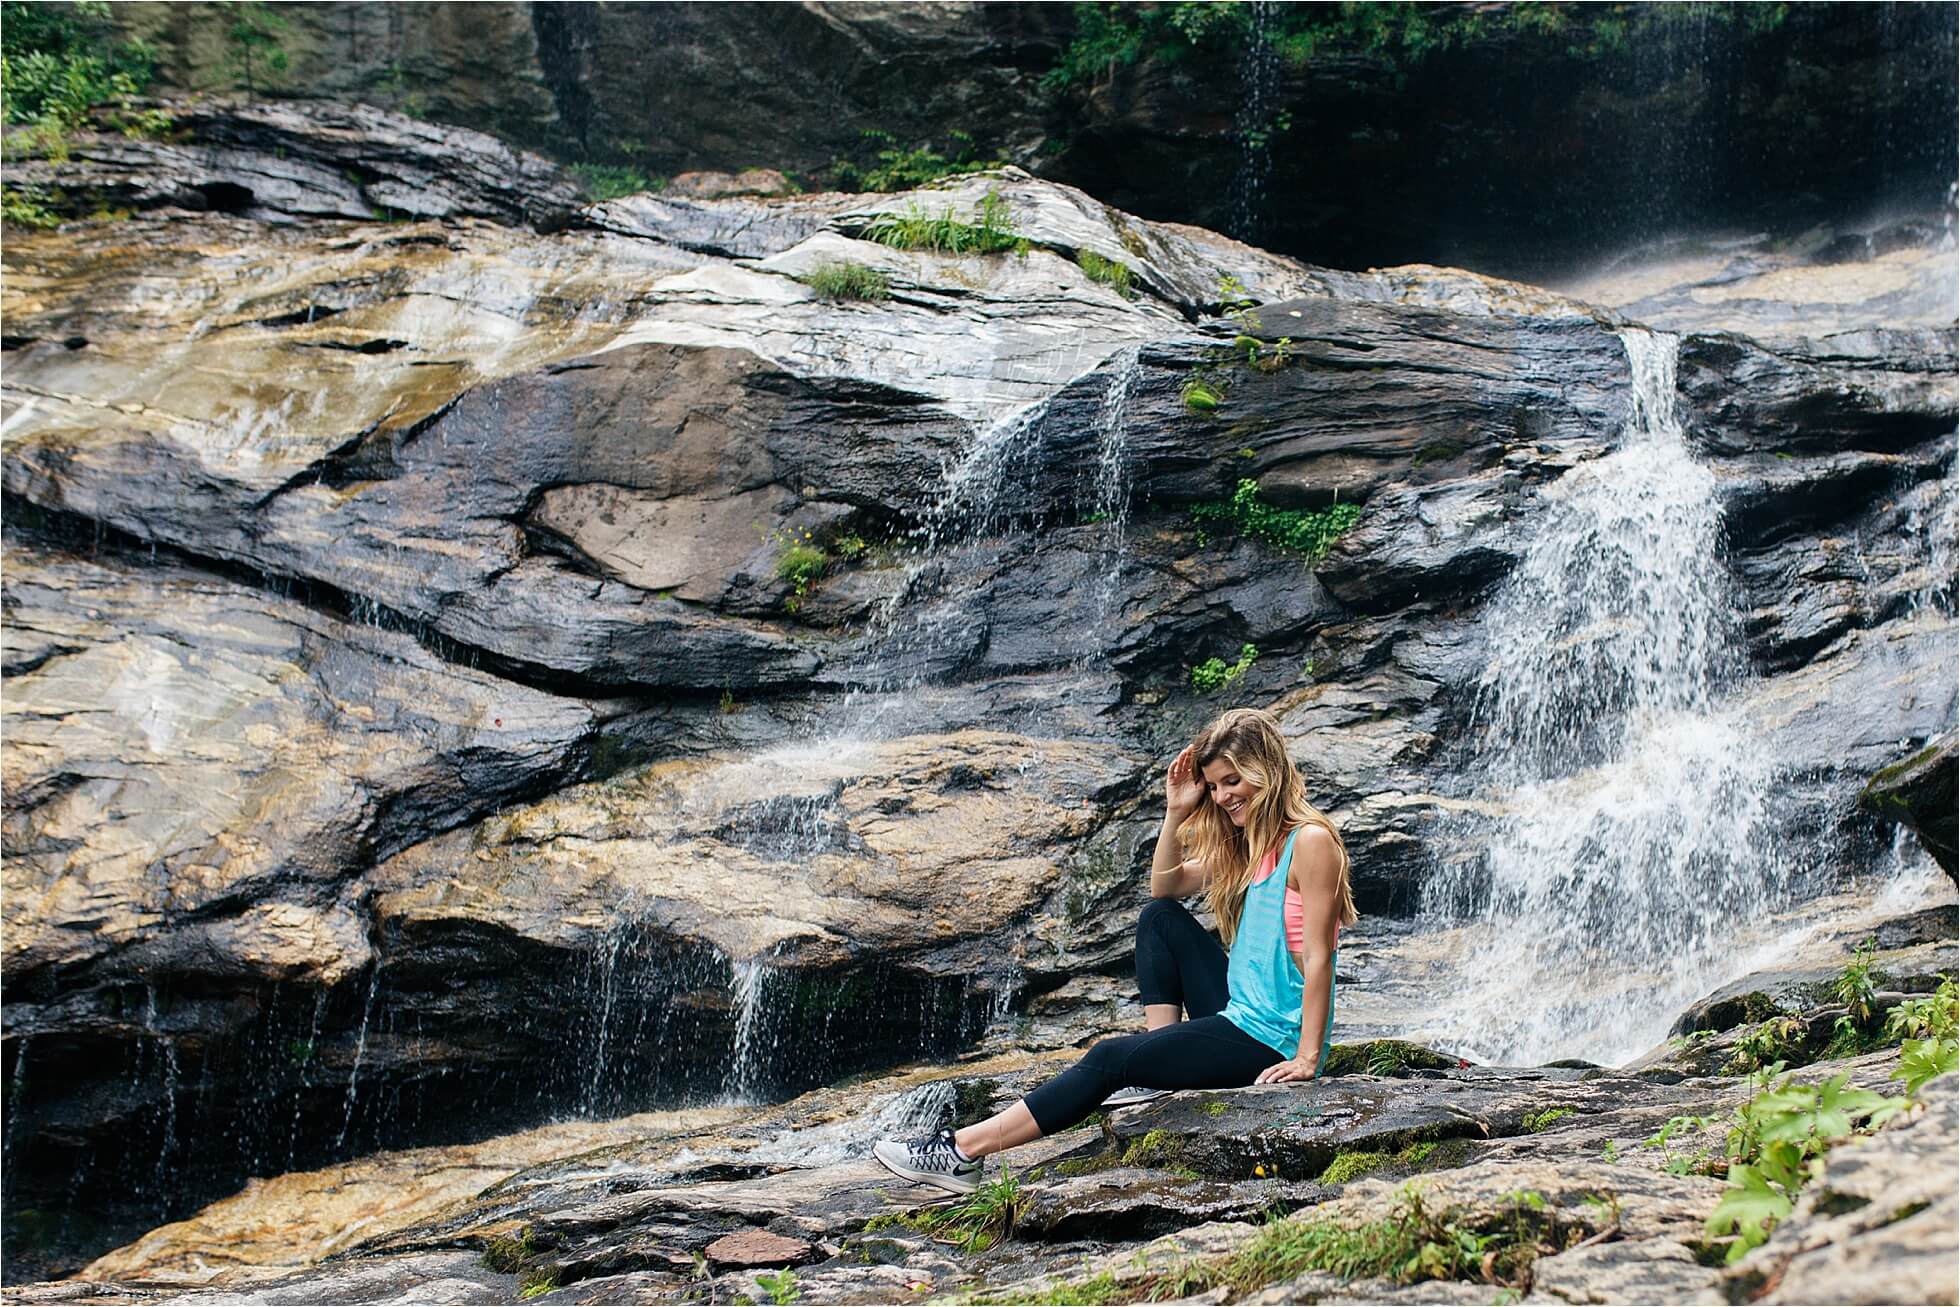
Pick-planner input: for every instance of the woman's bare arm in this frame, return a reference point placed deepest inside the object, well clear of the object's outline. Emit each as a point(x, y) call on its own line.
point(1316, 874)
point(1172, 876)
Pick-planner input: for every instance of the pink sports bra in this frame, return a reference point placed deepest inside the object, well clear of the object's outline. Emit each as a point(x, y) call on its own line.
point(1296, 916)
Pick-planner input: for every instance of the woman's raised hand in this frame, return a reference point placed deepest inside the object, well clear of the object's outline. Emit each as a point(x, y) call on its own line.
point(1183, 790)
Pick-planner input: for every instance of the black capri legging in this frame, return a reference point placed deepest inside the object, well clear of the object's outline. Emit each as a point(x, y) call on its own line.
point(1179, 962)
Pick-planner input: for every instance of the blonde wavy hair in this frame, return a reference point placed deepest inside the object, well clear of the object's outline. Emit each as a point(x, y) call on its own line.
point(1249, 741)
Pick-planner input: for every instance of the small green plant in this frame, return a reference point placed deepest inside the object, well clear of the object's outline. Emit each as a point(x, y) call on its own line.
point(780, 1286)
point(1777, 1142)
point(1215, 673)
point(1202, 395)
point(1306, 533)
point(537, 1282)
point(1155, 1148)
point(726, 704)
point(1679, 1163)
point(607, 181)
point(1110, 272)
point(1535, 1122)
point(843, 280)
point(255, 44)
point(1611, 1151)
point(1774, 1041)
point(1856, 985)
point(1236, 302)
point(989, 229)
point(799, 561)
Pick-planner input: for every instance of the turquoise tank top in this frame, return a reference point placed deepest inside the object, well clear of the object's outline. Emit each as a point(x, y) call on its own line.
point(1263, 981)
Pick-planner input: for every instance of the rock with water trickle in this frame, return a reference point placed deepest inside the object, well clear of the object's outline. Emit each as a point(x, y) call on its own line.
point(1918, 791)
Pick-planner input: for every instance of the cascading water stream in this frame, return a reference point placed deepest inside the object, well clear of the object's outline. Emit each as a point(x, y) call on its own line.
point(1253, 125)
point(1112, 493)
point(749, 984)
point(1623, 842)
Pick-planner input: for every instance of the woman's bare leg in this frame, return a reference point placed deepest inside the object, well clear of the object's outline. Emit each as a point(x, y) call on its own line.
point(1158, 1015)
point(998, 1133)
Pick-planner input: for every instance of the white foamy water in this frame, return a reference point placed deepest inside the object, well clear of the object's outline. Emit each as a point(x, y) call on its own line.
point(1631, 844)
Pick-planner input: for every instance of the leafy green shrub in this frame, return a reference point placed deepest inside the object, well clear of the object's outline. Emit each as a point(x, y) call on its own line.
point(1937, 1016)
point(843, 280)
point(1306, 533)
point(59, 61)
point(896, 169)
point(989, 229)
point(1776, 1143)
point(1216, 673)
point(605, 181)
point(1110, 272)
point(26, 208)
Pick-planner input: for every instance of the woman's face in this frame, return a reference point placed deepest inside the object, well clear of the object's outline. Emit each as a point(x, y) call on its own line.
point(1229, 790)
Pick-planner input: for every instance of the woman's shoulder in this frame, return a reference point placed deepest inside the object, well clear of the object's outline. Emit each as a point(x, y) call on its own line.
point(1315, 843)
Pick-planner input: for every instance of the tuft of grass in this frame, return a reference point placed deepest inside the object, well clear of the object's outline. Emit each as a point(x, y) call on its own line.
point(606, 181)
point(842, 279)
point(537, 1283)
point(989, 229)
point(1110, 272)
point(1308, 534)
point(1215, 673)
point(1534, 1122)
point(984, 1218)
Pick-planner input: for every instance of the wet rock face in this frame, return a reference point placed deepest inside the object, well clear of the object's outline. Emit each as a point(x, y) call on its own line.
point(459, 673)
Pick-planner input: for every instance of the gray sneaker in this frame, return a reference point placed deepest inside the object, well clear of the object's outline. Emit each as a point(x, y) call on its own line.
point(1131, 1096)
point(930, 1160)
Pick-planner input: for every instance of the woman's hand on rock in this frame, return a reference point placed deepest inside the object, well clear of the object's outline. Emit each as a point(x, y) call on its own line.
point(1289, 1071)
point(1183, 790)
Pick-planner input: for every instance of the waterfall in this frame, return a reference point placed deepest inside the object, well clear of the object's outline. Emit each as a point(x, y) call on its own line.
point(360, 1055)
point(1622, 845)
point(166, 1152)
point(1111, 493)
point(1254, 126)
point(748, 984)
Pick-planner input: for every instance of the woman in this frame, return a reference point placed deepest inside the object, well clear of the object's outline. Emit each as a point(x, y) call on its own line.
point(1276, 876)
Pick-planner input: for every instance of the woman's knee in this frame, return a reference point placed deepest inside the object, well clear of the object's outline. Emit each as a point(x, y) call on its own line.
point(1160, 912)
